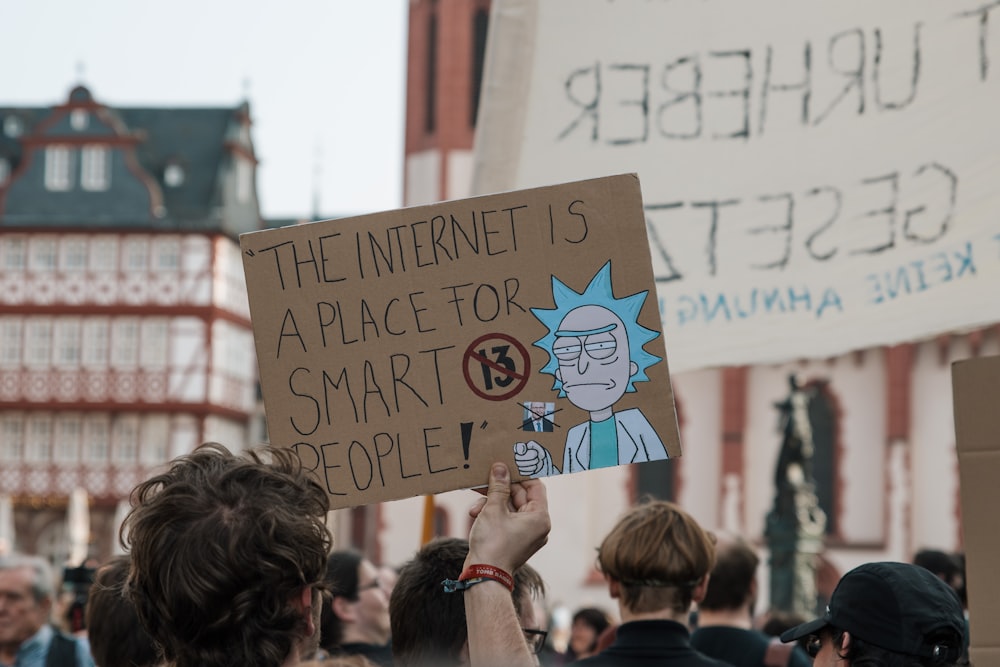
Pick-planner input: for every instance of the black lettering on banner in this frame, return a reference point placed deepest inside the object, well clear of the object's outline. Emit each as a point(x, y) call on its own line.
point(289, 329)
point(309, 427)
point(588, 107)
point(641, 101)
point(805, 85)
point(983, 14)
point(855, 74)
point(690, 97)
point(713, 227)
point(657, 243)
point(914, 72)
point(952, 184)
point(785, 228)
point(692, 93)
point(742, 94)
point(838, 200)
point(427, 451)
point(889, 212)
point(925, 198)
point(500, 358)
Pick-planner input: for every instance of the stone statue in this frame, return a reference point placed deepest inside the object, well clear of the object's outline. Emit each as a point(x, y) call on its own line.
point(795, 525)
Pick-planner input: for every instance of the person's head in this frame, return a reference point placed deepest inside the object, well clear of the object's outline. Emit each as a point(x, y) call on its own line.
point(537, 409)
point(26, 590)
point(228, 556)
point(949, 568)
point(117, 639)
point(358, 609)
point(595, 342)
point(428, 625)
point(733, 583)
point(657, 559)
point(888, 614)
point(586, 628)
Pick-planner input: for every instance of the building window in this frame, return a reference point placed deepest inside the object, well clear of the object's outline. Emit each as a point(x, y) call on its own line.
point(153, 350)
point(125, 343)
point(430, 101)
point(74, 254)
point(79, 119)
point(173, 176)
point(11, 438)
point(125, 440)
point(38, 343)
point(155, 439)
point(10, 341)
point(38, 440)
point(4, 171)
point(58, 168)
point(104, 254)
point(96, 343)
point(136, 254)
point(168, 253)
point(68, 343)
point(13, 127)
point(95, 168)
point(15, 253)
point(68, 433)
point(44, 253)
point(480, 27)
point(96, 440)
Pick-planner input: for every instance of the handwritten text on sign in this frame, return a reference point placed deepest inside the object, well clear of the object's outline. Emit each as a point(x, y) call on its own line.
point(396, 350)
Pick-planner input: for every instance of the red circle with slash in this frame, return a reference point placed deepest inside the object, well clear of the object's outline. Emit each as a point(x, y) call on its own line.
point(496, 367)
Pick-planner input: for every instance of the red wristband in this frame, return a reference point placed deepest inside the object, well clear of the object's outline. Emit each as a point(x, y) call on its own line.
point(480, 571)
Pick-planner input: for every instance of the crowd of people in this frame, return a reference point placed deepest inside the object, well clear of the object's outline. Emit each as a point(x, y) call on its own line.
point(230, 562)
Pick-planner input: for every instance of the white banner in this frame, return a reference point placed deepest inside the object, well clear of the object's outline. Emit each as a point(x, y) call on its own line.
point(818, 176)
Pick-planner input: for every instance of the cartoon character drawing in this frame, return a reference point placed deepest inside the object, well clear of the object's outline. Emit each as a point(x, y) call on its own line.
point(596, 353)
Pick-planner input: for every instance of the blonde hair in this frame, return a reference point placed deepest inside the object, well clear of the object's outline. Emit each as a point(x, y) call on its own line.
point(658, 554)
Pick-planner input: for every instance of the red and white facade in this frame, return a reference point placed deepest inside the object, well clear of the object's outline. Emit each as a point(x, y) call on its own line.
point(121, 347)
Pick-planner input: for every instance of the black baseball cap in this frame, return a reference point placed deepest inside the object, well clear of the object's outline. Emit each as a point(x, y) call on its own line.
point(898, 607)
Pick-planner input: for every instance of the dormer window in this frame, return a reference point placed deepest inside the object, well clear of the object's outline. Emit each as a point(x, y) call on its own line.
point(13, 127)
point(95, 172)
point(173, 175)
point(58, 168)
point(78, 119)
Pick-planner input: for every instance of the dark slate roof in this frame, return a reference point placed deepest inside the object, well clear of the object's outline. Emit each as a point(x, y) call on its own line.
point(193, 138)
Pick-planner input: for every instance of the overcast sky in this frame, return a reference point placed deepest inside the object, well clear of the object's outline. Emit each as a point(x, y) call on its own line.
point(325, 80)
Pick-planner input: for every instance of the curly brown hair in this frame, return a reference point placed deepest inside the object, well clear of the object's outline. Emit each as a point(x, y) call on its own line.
point(221, 545)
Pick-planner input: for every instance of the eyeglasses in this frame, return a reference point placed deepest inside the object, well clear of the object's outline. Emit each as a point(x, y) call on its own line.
point(535, 639)
point(814, 644)
point(374, 583)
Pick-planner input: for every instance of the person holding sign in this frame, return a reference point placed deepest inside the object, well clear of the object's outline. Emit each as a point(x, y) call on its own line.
point(596, 352)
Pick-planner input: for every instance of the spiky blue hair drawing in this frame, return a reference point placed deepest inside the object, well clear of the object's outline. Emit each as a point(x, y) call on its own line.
point(598, 293)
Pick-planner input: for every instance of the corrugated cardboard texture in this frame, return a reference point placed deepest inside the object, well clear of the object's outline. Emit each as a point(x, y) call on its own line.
point(398, 351)
point(976, 392)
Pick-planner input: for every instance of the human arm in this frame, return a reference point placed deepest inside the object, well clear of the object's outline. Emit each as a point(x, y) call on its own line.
point(511, 524)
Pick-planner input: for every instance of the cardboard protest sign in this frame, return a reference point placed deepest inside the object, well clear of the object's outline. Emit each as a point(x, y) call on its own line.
point(401, 353)
point(818, 177)
point(976, 394)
